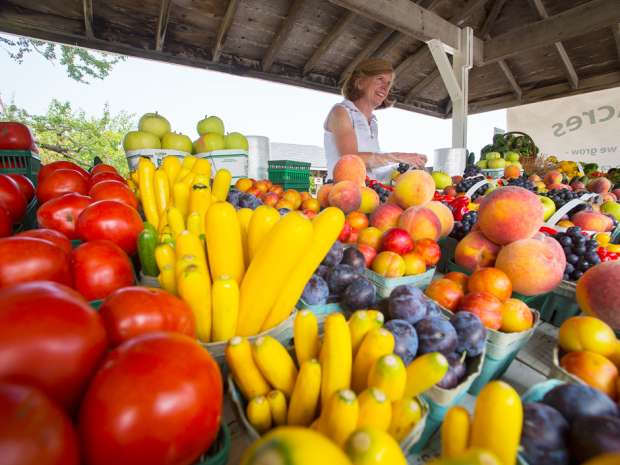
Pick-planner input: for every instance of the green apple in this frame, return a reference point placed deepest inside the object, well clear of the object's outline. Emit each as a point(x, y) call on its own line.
point(136, 140)
point(154, 123)
point(496, 163)
point(612, 208)
point(482, 164)
point(514, 163)
point(176, 141)
point(210, 124)
point(511, 156)
point(493, 155)
point(209, 142)
point(236, 141)
point(442, 180)
point(548, 206)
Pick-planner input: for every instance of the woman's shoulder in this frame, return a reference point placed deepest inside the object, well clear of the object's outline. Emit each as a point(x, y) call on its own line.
point(337, 116)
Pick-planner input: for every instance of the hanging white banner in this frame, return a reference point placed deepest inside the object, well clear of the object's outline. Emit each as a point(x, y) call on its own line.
point(581, 128)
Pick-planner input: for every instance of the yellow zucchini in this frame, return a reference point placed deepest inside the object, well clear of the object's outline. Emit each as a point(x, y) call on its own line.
point(340, 417)
point(263, 219)
point(275, 363)
point(245, 216)
point(180, 197)
point(277, 405)
point(305, 398)
point(221, 184)
point(375, 409)
point(188, 243)
point(202, 166)
point(246, 374)
point(176, 221)
point(146, 173)
point(455, 432)
point(424, 372)
point(171, 166)
point(195, 289)
point(165, 258)
point(223, 236)
point(372, 446)
point(194, 223)
point(327, 225)
point(266, 276)
point(376, 343)
point(199, 201)
point(389, 375)
point(336, 357)
point(360, 323)
point(162, 191)
point(188, 162)
point(225, 308)
point(306, 336)
point(259, 414)
point(406, 412)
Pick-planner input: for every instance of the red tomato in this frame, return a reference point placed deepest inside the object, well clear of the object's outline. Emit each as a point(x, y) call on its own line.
point(6, 224)
point(103, 168)
point(156, 400)
point(49, 338)
point(113, 221)
point(60, 165)
point(61, 182)
point(12, 198)
point(100, 268)
point(25, 185)
point(61, 213)
point(24, 259)
point(50, 235)
point(33, 429)
point(114, 190)
point(15, 136)
point(106, 176)
point(135, 310)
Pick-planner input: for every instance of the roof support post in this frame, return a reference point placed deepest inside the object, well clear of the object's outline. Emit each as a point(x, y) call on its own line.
point(456, 78)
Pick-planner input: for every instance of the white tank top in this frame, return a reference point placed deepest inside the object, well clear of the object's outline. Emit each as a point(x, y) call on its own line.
point(367, 135)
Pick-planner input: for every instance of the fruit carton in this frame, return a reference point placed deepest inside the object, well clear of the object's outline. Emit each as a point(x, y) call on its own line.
point(385, 286)
point(496, 173)
point(148, 281)
point(155, 155)
point(560, 304)
point(219, 451)
point(448, 245)
point(235, 161)
point(557, 372)
point(29, 220)
point(322, 311)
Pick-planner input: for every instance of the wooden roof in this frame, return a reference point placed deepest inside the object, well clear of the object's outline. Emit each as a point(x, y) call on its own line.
point(528, 50)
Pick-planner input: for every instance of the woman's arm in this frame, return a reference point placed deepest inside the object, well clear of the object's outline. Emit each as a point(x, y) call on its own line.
point(339, 123)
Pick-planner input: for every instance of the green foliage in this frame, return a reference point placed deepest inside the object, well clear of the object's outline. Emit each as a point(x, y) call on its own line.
point(64, 133)
point(81, 64)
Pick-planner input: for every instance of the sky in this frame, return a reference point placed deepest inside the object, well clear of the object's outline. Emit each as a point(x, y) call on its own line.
point(251, 106)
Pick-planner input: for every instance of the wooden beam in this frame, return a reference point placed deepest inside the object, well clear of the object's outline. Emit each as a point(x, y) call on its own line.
point(511, 79)
point(282, 34)
point(389, 45)
point(227, 20)
point(469, 9)
point(88, 18)
point(490, 20)
point(368, 50)
point(327, 42)
point(616, 31)
point(581, 20)
point(162, 24)
point(423, 84)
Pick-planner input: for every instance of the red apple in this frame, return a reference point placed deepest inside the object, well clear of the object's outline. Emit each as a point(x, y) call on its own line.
point(429, 250)
point(485, 305)
point(398, 241)
point(345, 233)
point(368, 252)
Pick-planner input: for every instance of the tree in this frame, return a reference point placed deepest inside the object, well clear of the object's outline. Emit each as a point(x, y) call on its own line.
point(81, 64)
point(65, 133)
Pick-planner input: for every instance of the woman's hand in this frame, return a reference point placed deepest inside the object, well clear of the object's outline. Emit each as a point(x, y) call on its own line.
point(416, 160)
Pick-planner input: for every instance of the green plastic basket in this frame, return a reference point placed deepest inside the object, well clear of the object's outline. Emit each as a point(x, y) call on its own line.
point(20, 162)
point(290, 174)
point(219, 451)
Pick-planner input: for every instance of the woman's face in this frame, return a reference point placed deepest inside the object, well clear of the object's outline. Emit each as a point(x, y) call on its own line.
point(376, 88)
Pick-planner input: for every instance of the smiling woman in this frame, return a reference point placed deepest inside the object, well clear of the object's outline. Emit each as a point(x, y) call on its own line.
point(351, 127)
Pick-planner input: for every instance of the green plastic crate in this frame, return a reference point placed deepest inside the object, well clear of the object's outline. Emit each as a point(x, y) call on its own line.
point(20, 162)
point(288, 173)
point(298, 186)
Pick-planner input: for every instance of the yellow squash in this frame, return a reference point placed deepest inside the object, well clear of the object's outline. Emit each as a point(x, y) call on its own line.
point(180, 197)
point(165, 258)
point(194, 223)
point(259, 414)
point(146, 174)
point(306, 336)
point(176, 221)
point(424, 372)
point(246, 374)
point(360, 323)
point(389, 375)
point(223, 236)
point(455, 432)
point(188, 162)
point(221, 184)
point(277, 405)
point(245, 216)
point(199, 201)
point(188, 243)
point(266, 276)
point(340, 417)
point(195, 289)
point(336, 357)
point(372, 446)
point(171, 166)
point(327, 225)
point(225, 308)
point(202, 166)
point(376, 343)
point(305, 398)
point(375, 409)
point(406, 412)
point(275, 363)
point(263, 219)
point(162, 191)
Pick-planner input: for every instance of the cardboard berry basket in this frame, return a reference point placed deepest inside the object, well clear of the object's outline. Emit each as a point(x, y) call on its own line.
point(385, 286)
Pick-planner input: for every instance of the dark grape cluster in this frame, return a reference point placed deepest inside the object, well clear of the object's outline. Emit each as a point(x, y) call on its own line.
point(381, 191)
point(562, 196)
point(523, 182)
point(402, 168)
point(467, 184)
point(581, 252)
point(463, 227)
point(471, 171)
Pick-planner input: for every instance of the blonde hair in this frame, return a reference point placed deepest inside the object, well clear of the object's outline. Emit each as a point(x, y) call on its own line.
point(367, 68)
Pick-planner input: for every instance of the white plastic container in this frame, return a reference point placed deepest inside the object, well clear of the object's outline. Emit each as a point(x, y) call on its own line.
point(258, 161)
point(449, 160)
point(235, 161)
point(156, 156)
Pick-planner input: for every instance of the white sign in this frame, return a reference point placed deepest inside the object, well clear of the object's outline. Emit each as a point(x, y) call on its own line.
point(581, 128)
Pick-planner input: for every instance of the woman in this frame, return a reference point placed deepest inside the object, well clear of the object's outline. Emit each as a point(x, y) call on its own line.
point(351, 127)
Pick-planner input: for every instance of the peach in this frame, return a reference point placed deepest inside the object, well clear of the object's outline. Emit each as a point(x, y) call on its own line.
point(516, 316)
point(491, 280)
point(510, 214)
point(421, 223)
point(534, 266)
point(345, 195)
point(368, 252)
point(486, 306)
point(279, 190)
point(534, 178)
point(450, 190)
point(592, 221)
point(370, 236)
point(283, 203)
point(350, 168)
point(270, 198)
point(445, 292)
point(552, 177)
point(608, 197)
point(255, 191)
point(598, 292)
point(559, 187)
point(311, 204)
point(415, 187)
point(615, 357)
point(592, 369)
point(392, 199)
point(323, 194)
point(459, 278)
point(389, 265)
point(244, 184)
point(309, 213)
point(261, 186)
point(587, 333)
point(386, 217)
point(616, 192)
point(293, 197)
point(357, 220)
point(429, 250)
point(511, 172)
point(305, 196)
point(370, 200)
point(475, 251)
point(600, 185)
point(444, 214)
point(414, 264)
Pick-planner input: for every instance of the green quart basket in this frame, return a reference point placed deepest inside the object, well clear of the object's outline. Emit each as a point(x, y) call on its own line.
point(290, 174)
point(20, 162)
point(220, 450)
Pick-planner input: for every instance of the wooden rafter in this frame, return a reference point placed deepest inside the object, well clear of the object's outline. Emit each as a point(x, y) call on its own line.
point(368, 50)
point(423, 84)
point(389, 45)
point(227, 21)
point(616, 31)
point(327, 42)
point(490, 20)
point(88, 18)
point(162, 24)
point(510, 77)
point(282, 34)
point(469, 9)
point(581, 20)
